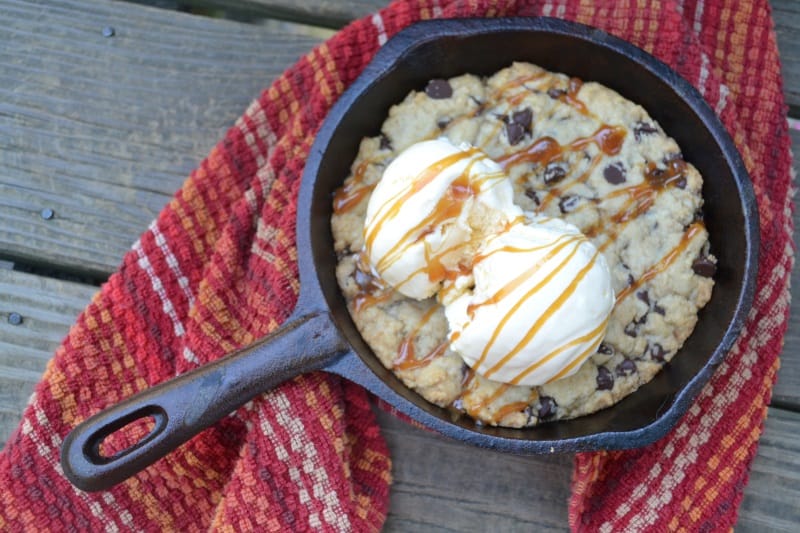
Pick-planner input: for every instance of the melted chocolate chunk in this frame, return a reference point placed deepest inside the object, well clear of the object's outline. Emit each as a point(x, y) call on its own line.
point(524, 118)
point(515, 132)
point(631, 330)
point(657, 352)
point(568, 203)
point(547, 407)
point(680, 182)
point(625, 368)
point(556, 93)
point(442, 123)
point(643, 296)
point(605, 379)
point(531, 193)
point(658, 309)
point(518, 125)
point(703, 266)
point(554, 173)
point(386, 143)
point(643, 128)
point(614, 174)
point(605, 349)
point(439, 89)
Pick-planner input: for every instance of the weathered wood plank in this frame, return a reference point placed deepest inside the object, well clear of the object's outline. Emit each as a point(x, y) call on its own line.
point(786, 14)
point(331, 14)
point(442, 485)
point(46, 308)
point(787, 390)
point(103, 130)
point(772, 498)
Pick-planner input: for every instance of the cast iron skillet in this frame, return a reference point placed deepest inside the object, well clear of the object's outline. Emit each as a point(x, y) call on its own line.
point(320, 334)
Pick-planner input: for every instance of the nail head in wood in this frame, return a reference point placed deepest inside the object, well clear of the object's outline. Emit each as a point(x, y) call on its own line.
point(108, 31)
point(15, 319)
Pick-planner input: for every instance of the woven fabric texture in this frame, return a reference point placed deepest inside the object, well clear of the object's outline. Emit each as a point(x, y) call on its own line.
point(217, 270)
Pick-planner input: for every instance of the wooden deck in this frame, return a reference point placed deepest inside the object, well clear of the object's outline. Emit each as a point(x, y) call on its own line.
point(96, 134)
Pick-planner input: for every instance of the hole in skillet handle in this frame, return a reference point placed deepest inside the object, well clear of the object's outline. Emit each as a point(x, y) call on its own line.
point(98, 450)
point(445, 48)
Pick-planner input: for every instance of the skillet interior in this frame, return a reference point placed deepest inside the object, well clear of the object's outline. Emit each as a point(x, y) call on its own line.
point(449, 48)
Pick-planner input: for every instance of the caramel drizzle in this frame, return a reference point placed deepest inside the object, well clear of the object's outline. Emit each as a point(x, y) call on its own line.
point(354, 190)
point(371, 290)
point(406, 354)
point(556, 246)
point(594, 337)
point(640, 199)
point(543, 151)
point(663, 263)
point(447, 208)
point(501, 412)
point(551, 310)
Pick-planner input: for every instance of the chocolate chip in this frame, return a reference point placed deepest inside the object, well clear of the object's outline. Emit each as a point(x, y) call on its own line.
point(643, 128)
point(556, 93)
point(680, 182)
point(605, 379)
point(524, 118)
point(515, 132)
point(630, 279)
point(641, 320)
point(630, 329)
point(531, 193)
point(386, 143)
point(643, 296)
point(658, 309)
point(553, 173)
point(439, 89)
point(614, 174)
point(625, 368)
point(657, 352)
point(547, 407)
point(605, 349)
point(568, 203)
point(703, 266)
point(442, 123)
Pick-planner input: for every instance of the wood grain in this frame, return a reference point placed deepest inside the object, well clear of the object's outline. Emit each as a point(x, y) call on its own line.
point(103, 130)
point(47, 307)
point(786, 14)
point(786, 393)
point(442, 485)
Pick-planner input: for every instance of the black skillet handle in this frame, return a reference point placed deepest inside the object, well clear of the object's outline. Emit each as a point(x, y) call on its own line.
point(184, 406)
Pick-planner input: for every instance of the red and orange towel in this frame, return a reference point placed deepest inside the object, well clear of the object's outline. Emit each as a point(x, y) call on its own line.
point(217, 270)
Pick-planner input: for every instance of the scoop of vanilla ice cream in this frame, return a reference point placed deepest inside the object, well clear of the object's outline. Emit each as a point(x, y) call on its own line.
point(539, 307)
point(429, 212)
